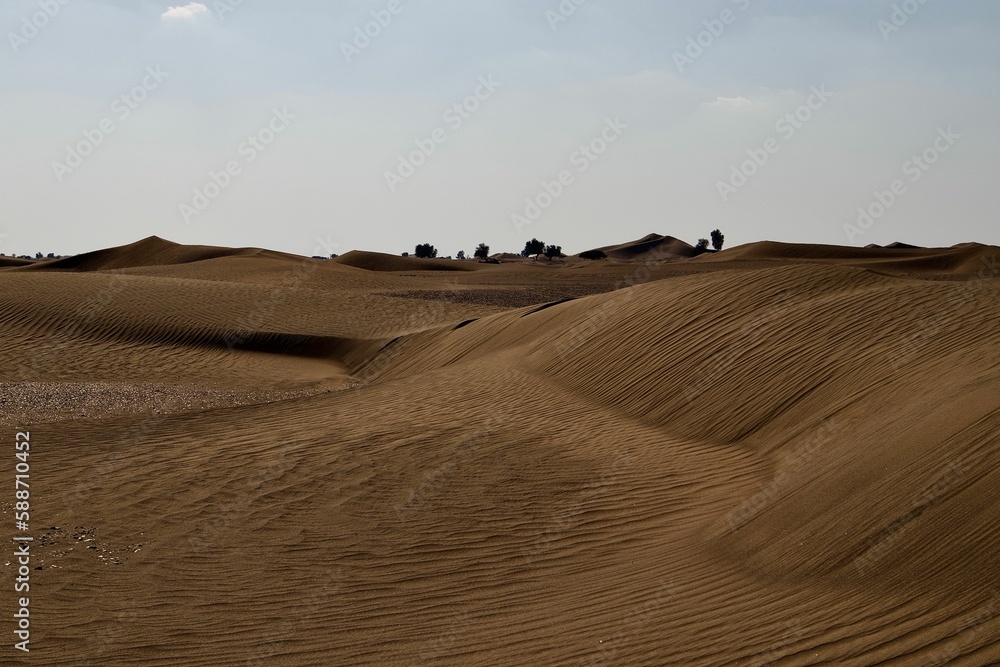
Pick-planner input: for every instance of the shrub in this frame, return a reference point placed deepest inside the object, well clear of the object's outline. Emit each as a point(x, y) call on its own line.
point(593, 254)
point(718, 239)
point(553, 251)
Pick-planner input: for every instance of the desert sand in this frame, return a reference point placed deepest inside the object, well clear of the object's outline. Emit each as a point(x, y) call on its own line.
point(776, 454)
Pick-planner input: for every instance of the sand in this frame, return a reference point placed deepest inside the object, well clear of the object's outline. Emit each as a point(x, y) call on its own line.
point(776, 454)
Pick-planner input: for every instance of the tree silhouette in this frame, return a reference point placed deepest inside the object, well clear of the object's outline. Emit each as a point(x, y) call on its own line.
point(533, 247)
point(553, 251)
point(483, 251)
point(426, 251)
point(718, 239)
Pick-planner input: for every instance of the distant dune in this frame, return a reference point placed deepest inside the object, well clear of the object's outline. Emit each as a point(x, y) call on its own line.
point(152, 251)
point(777, 454)
point(375, 261)
point(962, 259)
point(650, 247)
point(895, 245)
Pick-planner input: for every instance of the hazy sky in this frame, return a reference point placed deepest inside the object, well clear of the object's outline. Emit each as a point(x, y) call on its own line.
point(582, 122)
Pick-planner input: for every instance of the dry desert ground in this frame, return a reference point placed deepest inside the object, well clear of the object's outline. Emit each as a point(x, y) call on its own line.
point(776, 454)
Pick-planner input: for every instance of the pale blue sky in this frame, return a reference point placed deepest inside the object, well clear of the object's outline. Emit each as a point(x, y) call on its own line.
point(278, 70)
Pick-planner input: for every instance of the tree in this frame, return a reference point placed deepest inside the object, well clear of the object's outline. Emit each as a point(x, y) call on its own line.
point(425, 251)
point(483, 251)
point(461, 254)
point(701, 247)
point(718, 239)
point(533, 247)
point(593, 254)
point(553, 251)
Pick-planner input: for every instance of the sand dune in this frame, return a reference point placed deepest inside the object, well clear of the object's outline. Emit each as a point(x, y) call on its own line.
point(775, 454)
point(375, 261)
point(152, 251)
point(960, 260)
point(650, 247)
point(6, 262)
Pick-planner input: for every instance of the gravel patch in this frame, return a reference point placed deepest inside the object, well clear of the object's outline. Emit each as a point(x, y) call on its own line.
point(500, 298)
point(23, 403)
